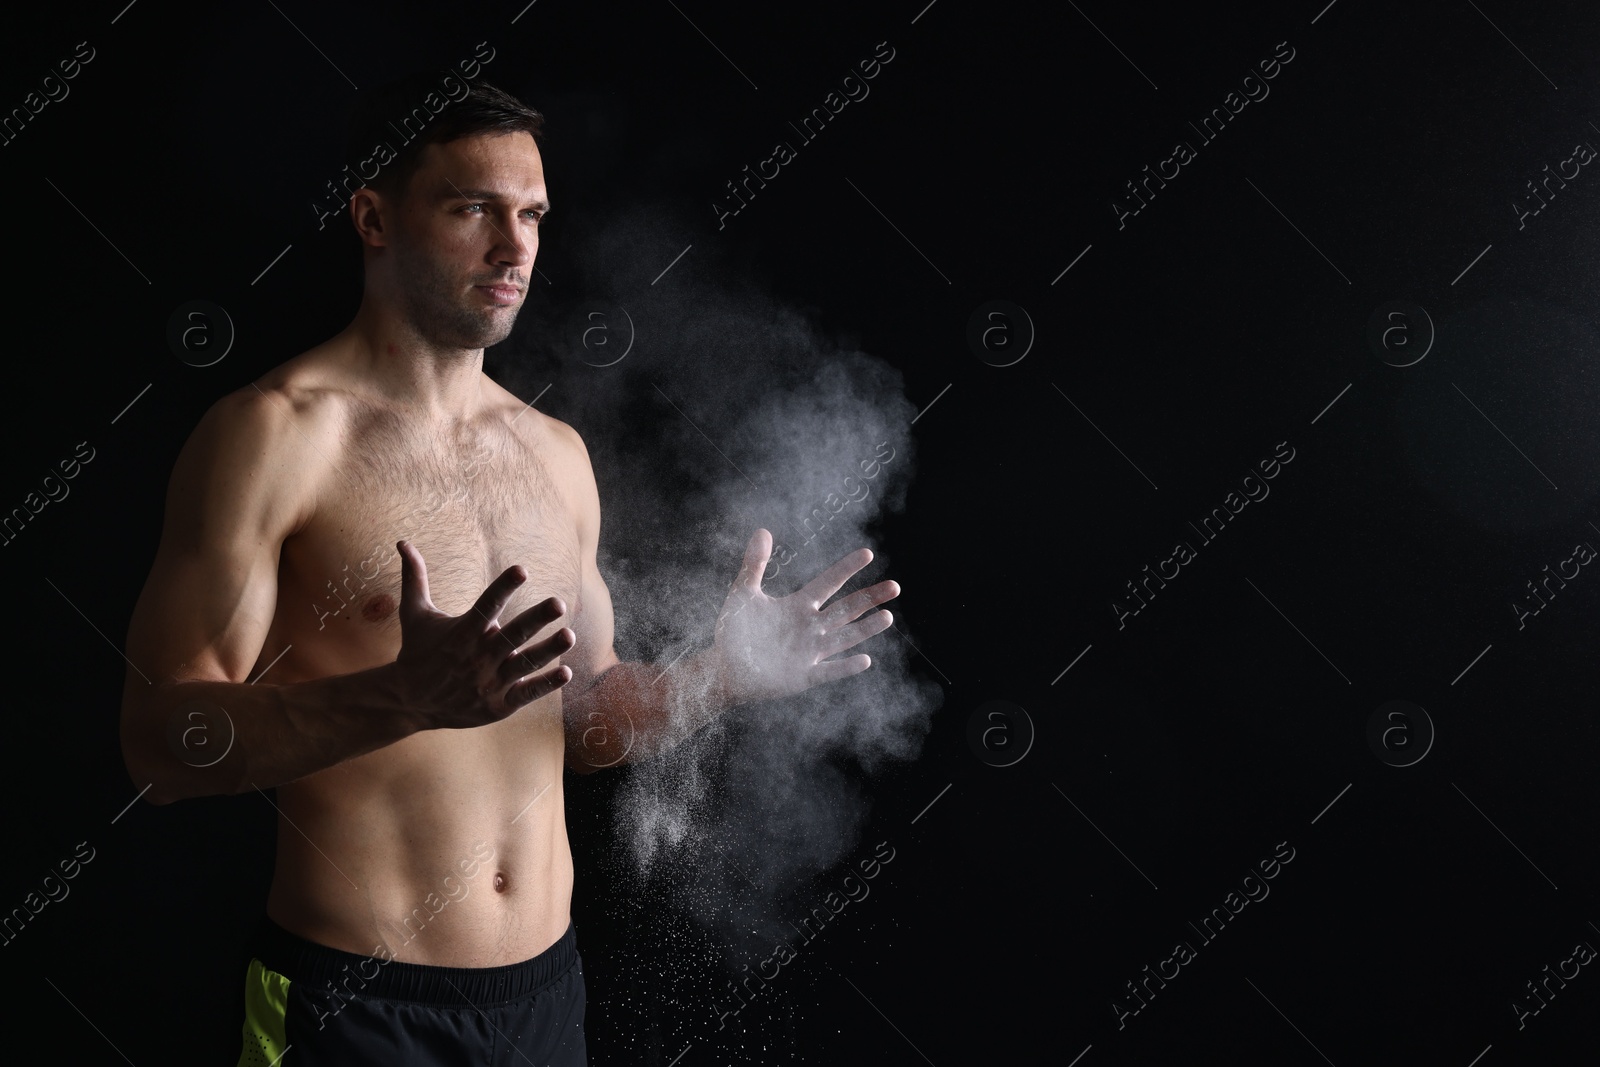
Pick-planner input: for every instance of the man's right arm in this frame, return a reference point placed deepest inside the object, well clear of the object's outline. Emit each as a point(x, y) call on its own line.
point(242, 484)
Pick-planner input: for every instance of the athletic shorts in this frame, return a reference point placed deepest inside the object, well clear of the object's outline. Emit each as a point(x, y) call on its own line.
point(307, 1005)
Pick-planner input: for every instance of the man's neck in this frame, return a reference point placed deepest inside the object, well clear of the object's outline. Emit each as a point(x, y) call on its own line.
point(408, 371)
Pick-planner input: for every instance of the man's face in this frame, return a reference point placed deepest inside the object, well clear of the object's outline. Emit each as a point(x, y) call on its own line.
point(467, 234)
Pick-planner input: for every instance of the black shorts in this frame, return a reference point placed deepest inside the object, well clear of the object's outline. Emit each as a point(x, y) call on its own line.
point(307, 1005)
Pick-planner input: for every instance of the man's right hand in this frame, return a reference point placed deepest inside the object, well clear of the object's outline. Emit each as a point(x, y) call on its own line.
point(460, 671)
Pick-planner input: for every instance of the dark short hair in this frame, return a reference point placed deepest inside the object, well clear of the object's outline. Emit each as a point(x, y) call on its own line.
point(398, 114)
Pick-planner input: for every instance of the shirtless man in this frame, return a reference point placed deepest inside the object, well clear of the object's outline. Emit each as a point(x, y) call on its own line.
point(376, 590)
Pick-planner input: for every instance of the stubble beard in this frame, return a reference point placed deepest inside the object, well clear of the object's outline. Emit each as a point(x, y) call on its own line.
point(438, 310)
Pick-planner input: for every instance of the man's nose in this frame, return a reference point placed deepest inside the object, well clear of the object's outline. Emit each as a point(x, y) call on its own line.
point(518, 246)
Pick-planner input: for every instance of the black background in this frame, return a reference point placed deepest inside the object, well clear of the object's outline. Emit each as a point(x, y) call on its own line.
point(1228, 316)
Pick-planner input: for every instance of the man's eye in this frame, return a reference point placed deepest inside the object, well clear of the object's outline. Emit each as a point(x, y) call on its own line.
point(469, 207)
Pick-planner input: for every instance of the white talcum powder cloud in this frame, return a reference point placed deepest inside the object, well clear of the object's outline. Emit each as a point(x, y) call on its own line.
point(731, 411)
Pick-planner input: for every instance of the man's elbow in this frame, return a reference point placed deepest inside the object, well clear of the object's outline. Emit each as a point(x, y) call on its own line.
point(595, 749)
point(580, 755)
point(152, 768)
point(146, 778)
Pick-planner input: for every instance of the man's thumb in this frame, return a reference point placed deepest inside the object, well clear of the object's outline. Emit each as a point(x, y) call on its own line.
point(413, 579)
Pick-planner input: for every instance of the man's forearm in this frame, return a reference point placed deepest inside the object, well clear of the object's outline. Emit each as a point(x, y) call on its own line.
point(174, 737)
point(635, 710)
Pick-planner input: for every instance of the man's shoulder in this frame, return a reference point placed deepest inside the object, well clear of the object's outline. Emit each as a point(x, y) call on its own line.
point(544, 433)
point(293, 402)
point(270, 441)
point(568, 440)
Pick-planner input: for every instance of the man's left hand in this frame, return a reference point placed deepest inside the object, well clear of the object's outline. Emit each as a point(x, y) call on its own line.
point(769, 647)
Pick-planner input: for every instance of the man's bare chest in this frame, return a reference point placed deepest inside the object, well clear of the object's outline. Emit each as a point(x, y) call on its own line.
point(474, 503)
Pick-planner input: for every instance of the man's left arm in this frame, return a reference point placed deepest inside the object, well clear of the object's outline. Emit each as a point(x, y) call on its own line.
point(615, 710)
point(764, 647)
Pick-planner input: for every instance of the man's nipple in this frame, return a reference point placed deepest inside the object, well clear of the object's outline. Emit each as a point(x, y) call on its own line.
point(378, 608)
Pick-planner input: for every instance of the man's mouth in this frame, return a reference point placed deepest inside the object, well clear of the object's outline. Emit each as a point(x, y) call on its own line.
point(501, 294)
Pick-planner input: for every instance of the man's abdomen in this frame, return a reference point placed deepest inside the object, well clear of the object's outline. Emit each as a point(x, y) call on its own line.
point(447, 848)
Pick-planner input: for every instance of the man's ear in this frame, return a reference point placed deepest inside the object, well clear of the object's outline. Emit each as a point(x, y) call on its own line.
point(370, 214)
